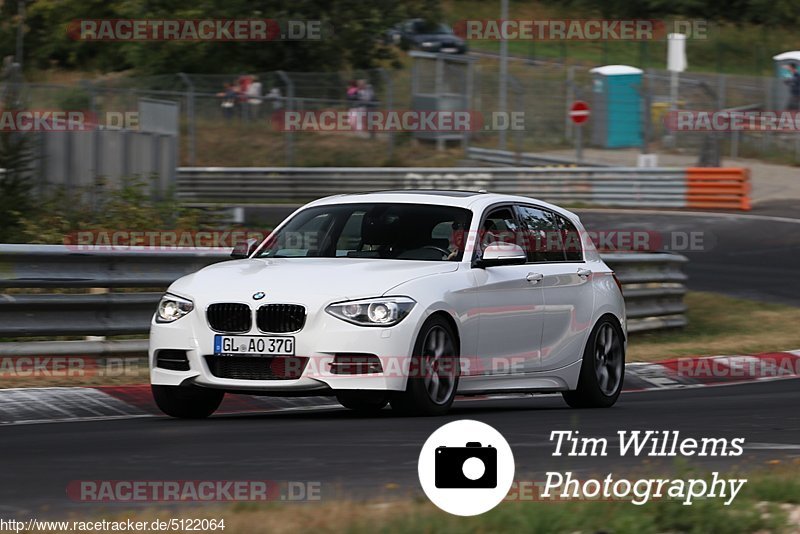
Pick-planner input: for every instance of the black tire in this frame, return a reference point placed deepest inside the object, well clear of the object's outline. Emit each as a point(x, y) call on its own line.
point(364, 402)
point(434, 372)
point(187, 402)
point(603, 368)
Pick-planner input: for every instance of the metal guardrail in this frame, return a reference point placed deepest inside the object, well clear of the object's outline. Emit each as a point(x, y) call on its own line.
point(653, 285)
point(507, 157)
point(608, 186)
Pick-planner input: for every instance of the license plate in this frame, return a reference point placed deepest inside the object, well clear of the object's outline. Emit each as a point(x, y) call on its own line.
point(255, 345)
point(449, 50)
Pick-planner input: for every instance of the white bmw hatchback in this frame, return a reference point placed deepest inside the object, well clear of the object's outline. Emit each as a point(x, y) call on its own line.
point(401, 297)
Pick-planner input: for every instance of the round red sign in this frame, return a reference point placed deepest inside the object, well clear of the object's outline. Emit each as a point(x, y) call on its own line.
point(579, 112)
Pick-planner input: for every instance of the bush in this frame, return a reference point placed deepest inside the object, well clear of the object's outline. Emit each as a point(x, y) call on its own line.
point(129, 207)
point(16, 158)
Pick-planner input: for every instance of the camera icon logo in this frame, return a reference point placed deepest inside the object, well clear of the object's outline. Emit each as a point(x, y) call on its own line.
point(466, 467)
point(472, 466)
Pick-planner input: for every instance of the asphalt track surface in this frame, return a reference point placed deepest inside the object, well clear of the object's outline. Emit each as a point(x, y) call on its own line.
point(358, 456)
point(754, 257)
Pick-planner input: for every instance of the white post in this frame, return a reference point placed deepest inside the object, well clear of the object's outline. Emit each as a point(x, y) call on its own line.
point(676, 63)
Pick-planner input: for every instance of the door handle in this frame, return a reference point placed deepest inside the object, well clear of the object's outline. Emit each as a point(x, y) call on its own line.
point(534, 277)
point(584, 273)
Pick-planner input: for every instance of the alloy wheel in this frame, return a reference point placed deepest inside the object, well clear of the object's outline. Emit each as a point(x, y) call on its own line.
point(439, 365)
point(608, 359)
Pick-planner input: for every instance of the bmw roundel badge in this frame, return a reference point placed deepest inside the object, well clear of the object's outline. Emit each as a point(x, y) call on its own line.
point(258, 296)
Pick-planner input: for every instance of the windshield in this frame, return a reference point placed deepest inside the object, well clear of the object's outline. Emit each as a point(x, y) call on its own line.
point(431, 28)
point(380, 231)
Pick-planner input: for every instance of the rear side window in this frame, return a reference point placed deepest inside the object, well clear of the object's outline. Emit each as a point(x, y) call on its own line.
point(571, 238)
point(542, 235)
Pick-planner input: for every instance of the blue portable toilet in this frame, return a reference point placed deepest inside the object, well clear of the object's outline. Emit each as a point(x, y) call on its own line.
point(617, 106)
point(782, 74)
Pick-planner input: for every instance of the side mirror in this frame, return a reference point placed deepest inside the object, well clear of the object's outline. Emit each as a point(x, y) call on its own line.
point(501, 253)
point(243, 249)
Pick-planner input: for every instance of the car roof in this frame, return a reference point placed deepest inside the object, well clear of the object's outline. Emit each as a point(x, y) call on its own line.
point(473, 200)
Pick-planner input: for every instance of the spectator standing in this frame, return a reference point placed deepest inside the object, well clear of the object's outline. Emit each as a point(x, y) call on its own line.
point(276, 98)
point(228, 104)
point(366, 100)
point(352, 105)
point(254, 100)
point(242, 86)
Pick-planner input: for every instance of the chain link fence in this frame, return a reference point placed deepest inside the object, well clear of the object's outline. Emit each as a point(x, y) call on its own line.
point(212, 134)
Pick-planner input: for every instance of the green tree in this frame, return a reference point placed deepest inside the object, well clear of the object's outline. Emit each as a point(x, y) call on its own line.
point(355, 42)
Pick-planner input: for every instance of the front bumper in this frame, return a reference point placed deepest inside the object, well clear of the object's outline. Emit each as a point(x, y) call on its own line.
point(322, 337)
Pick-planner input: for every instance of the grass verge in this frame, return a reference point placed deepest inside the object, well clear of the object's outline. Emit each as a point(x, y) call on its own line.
point(768, 503)
point(719, 324)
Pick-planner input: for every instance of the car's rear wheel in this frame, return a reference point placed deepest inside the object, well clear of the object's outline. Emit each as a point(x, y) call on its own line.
point(187, 402)
point(433, 376)
point(602, 370)
point(365, 402)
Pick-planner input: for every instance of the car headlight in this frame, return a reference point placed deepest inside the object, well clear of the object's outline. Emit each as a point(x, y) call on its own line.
point(171, 308)
point(381, 311)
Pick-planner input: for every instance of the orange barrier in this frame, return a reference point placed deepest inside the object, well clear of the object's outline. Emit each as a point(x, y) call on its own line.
point(718, 188)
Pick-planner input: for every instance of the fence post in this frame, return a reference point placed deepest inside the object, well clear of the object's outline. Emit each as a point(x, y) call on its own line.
point(502, 103)
point(387, 80)
point(288, 135)
point(189, 115)
point(570, 99)
point(470, 82)
point(439, 89)
point(519, 105)
point(646, 113)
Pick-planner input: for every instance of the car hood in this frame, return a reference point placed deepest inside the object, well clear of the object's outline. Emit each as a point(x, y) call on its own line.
point(309, 281)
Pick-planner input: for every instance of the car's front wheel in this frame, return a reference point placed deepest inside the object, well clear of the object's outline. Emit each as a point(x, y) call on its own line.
point(433, 375)
point(602, 370)
point(365, 402)
point(187, 402)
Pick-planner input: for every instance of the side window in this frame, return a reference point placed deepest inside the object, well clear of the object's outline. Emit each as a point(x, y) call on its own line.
point(572, 240)
point(543, 241)
point(499, 226)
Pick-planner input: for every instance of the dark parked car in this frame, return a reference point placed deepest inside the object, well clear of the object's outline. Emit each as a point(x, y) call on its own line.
point(427, 36)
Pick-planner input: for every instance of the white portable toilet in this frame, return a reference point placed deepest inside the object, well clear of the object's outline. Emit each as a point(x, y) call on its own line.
point(780, 92)
point(617, 106)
